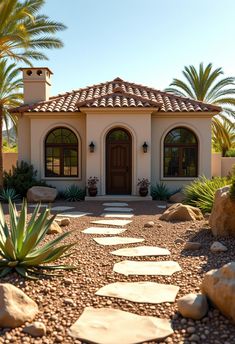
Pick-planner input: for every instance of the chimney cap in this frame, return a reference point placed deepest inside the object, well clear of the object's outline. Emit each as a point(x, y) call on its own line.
point(26, 68)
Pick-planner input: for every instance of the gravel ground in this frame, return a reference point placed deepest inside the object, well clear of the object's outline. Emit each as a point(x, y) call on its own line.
point(62, 300)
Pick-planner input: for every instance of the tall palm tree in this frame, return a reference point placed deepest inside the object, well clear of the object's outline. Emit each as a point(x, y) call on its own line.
point(206, 85)
point(223, 136)
point(24, 32)
point(11, 95)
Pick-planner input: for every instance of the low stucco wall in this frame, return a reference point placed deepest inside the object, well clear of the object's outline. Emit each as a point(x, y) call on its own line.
point(9, 160)
point(221, 166)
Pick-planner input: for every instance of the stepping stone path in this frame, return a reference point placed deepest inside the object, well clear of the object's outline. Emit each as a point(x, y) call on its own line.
point(118, 223)
point(129, 267)
point(143, 292)
point(141, 251)
point(115, 204)
point(74, 214)
point(127, 216)
point(102, 325)
point(117, 240)
point(62, 208)
point(103, 230)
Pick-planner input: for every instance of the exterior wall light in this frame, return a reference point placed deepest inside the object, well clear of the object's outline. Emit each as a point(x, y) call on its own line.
point(145, 147)
point(92, 147)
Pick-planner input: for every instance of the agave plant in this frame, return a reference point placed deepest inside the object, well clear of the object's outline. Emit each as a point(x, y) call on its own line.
point(8, 194)
point(160, 192)
point(73, 193)
point(21, 248)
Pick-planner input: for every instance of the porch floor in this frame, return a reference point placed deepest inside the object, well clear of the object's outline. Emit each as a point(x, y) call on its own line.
point(121, 198)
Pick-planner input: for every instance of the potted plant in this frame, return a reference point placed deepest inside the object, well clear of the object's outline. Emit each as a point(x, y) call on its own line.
point(143, 186)
point(92, 186)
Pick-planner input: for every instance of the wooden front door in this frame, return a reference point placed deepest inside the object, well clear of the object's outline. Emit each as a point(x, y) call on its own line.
point(118, 162)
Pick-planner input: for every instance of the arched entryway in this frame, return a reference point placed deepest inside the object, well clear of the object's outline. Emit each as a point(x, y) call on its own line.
point(118, 162)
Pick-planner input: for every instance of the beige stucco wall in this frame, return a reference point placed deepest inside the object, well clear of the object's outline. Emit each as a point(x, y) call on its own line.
point(221, 166)
point(216, 165)
point(138, 123)
point(226, 165)
point(9, 160)
point(33, 130)
point(161, 125)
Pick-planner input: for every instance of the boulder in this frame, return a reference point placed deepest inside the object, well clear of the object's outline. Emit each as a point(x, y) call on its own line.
point(41, 194)
point(192, 245)
point(149, 224)
point(15, 306)
point(54, 228)
point(182, 212)
point(222, 218)
point(193, 306)
point(65, 221)
point(219, 286)
point(36, 329)
point(178, 197)
point(218, 247)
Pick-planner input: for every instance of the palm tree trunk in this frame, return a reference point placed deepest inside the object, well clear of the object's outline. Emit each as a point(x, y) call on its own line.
point(1, 154)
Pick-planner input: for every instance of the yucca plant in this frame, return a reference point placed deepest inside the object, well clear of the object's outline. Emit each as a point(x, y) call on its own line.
point(160, 192)
point(20, 248)
point(201, 192)
point(73, 193)
point(9, 194)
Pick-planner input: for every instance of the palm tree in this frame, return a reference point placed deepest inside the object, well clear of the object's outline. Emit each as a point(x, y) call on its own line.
point(24, 33)
point(223, 136)
point(10, 96)
point(207, 86)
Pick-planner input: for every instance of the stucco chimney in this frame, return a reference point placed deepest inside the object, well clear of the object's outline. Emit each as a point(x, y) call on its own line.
point(36, 84)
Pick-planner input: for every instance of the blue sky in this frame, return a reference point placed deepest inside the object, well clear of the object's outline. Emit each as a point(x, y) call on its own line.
point(142, 41)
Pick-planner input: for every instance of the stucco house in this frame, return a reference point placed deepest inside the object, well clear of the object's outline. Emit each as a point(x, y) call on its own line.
point(118, 131)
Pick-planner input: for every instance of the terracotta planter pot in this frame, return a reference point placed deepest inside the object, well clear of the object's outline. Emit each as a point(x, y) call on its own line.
point(143, 192)
point(92, 192)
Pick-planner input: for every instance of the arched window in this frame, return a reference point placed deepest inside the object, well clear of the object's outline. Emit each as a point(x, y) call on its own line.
point(61, 153)
point(180, 153)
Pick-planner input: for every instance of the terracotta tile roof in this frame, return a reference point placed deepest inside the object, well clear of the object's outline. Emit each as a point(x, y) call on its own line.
point(116, 94)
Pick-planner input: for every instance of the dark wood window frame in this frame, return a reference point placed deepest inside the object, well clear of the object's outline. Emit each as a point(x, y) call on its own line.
point(62, 148)
point(181, 147)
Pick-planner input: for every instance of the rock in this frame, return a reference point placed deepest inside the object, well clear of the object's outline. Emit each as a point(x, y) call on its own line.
point(218, 247)
point(179, 241)
point(149, 224)
point(36, 329)
point(193, 306)
point(54, 228)
point(219, 286)
point(192, 245)
point(64, 221)
point(41, 194)
point(222, 219)
point(190, 329)
point(178, 197)
point(15, 306)
point(194, 338)
point(182, 212)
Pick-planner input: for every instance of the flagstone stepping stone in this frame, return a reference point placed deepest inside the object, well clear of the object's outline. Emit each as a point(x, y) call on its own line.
point(162, 206)
point(102, 326)
point(115, 204)
point(35, 205)
point(74, 214)
point(104, 230)
point(117, 240)
point(127, 216)
point(144, 292)
point(62, 208)
point(128, 267)
point(141, 251)
point(119, 209)
point(118, 223)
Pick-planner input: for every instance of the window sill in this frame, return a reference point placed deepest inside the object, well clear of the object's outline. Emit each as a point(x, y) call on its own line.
point(61, 178)
point(178, 178)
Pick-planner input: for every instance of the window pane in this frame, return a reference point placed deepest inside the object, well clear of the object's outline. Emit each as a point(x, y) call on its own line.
point(180, 136)
point(118, 135)
point(189, 162)
point(61, 135)
point(171, 162)
point(52, 161)
point(70, 162)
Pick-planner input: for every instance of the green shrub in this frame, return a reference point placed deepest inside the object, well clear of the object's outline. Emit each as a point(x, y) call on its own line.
point(19, 243)
point(160, 192)
point(230, 153)
point(7, 195)
point(73, 193)
point(21, 178)
point(232, 188)
point(201, 192)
